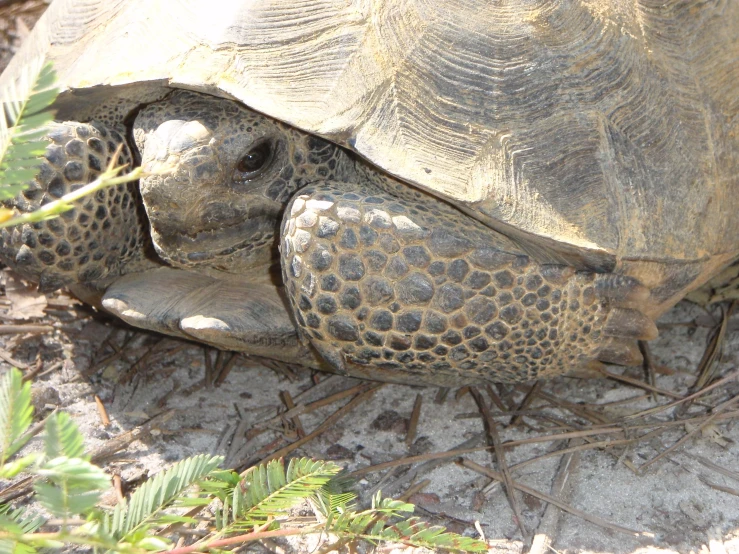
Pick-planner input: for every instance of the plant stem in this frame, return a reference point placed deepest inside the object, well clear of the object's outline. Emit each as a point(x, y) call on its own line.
point(106, 179)
point(249, 537)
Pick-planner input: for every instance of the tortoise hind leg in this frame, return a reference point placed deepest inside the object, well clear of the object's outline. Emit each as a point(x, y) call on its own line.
point(89, 242)
point(408, 289)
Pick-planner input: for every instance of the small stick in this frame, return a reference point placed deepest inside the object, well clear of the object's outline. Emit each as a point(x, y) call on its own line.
point(492, 432)
point(561, 489)
point(289, 404)
point(15, 329)
point(461, 391)
point(495, 399)
point(528, 399)
point(713, 352)
point(441, 395)
point(138, 364)
point(305, 408)
point(715, 467)
point(331, 379)
point(640, 384)
point(418, 487)
point(648, 366)
point(222, 439)
point(716, 413)
point(119, 352)
point(409, 460)
point(29, 376)
point(576, 409)
point(718, 487)
point(208, 367)
point(238, 443)
point(426, 467)
point(5, 356)
point(218, 366)
point(720, 382)
point(102, 411)
point(227, 368)
point(413, 423)
point(117, 485)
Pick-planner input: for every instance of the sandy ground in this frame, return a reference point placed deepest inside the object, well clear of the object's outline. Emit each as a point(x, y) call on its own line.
point(683, 502)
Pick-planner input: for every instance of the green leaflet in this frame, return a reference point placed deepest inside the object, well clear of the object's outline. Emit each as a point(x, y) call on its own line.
point(63, 438)
point(17, 522)
point(156, 494)
point(336, 496)
point(22, 126)
point(378, 524)
point(16, 413)
point(70, 486)
point(269, 490)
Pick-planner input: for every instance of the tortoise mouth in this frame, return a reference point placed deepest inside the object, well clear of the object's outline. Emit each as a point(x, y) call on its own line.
point(229, 248)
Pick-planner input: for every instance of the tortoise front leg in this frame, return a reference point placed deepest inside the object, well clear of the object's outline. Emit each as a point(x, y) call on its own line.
point(91, 241)
point(410, 290)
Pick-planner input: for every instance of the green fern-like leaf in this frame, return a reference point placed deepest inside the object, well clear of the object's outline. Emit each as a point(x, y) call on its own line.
point(379, 524)
point(16, 413)
point(17, 522)
point(156, 494)
point(70, 486)
point(63, 438)
point(269, 490)
point(336, 497)
point(26, 523)
point(23, 119)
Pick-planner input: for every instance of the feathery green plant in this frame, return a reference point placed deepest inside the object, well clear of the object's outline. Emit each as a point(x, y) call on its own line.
point(269, 490)
point(23, 121)
point(24, 114)
point(238, 508)
point(16, 414)
point(377, 524)
point(144, 509)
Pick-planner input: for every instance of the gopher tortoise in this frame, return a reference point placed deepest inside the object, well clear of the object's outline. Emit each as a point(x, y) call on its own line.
point(439, 192)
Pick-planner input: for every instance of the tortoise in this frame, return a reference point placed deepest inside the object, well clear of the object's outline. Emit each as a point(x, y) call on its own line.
point(421, 192)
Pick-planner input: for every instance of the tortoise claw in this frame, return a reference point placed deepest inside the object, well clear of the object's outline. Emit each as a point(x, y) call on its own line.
point(620, 352)
point(631, 324)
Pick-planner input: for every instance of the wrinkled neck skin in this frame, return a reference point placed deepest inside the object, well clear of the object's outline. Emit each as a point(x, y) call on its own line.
point(219, 179)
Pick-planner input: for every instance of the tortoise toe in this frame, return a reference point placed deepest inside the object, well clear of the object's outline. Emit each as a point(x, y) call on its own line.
point(631, 324)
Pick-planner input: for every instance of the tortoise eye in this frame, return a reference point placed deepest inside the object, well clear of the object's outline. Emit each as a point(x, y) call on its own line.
point(255, 161)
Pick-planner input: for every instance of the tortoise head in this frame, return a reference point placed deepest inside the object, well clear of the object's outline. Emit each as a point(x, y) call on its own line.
point(220, 178)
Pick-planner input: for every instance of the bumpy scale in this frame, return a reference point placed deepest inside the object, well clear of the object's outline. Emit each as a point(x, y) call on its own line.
point(97, 238)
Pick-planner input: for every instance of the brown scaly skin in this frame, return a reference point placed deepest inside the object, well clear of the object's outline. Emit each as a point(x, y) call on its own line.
point(405, 285)
point(97, 238)
point(383, 280)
